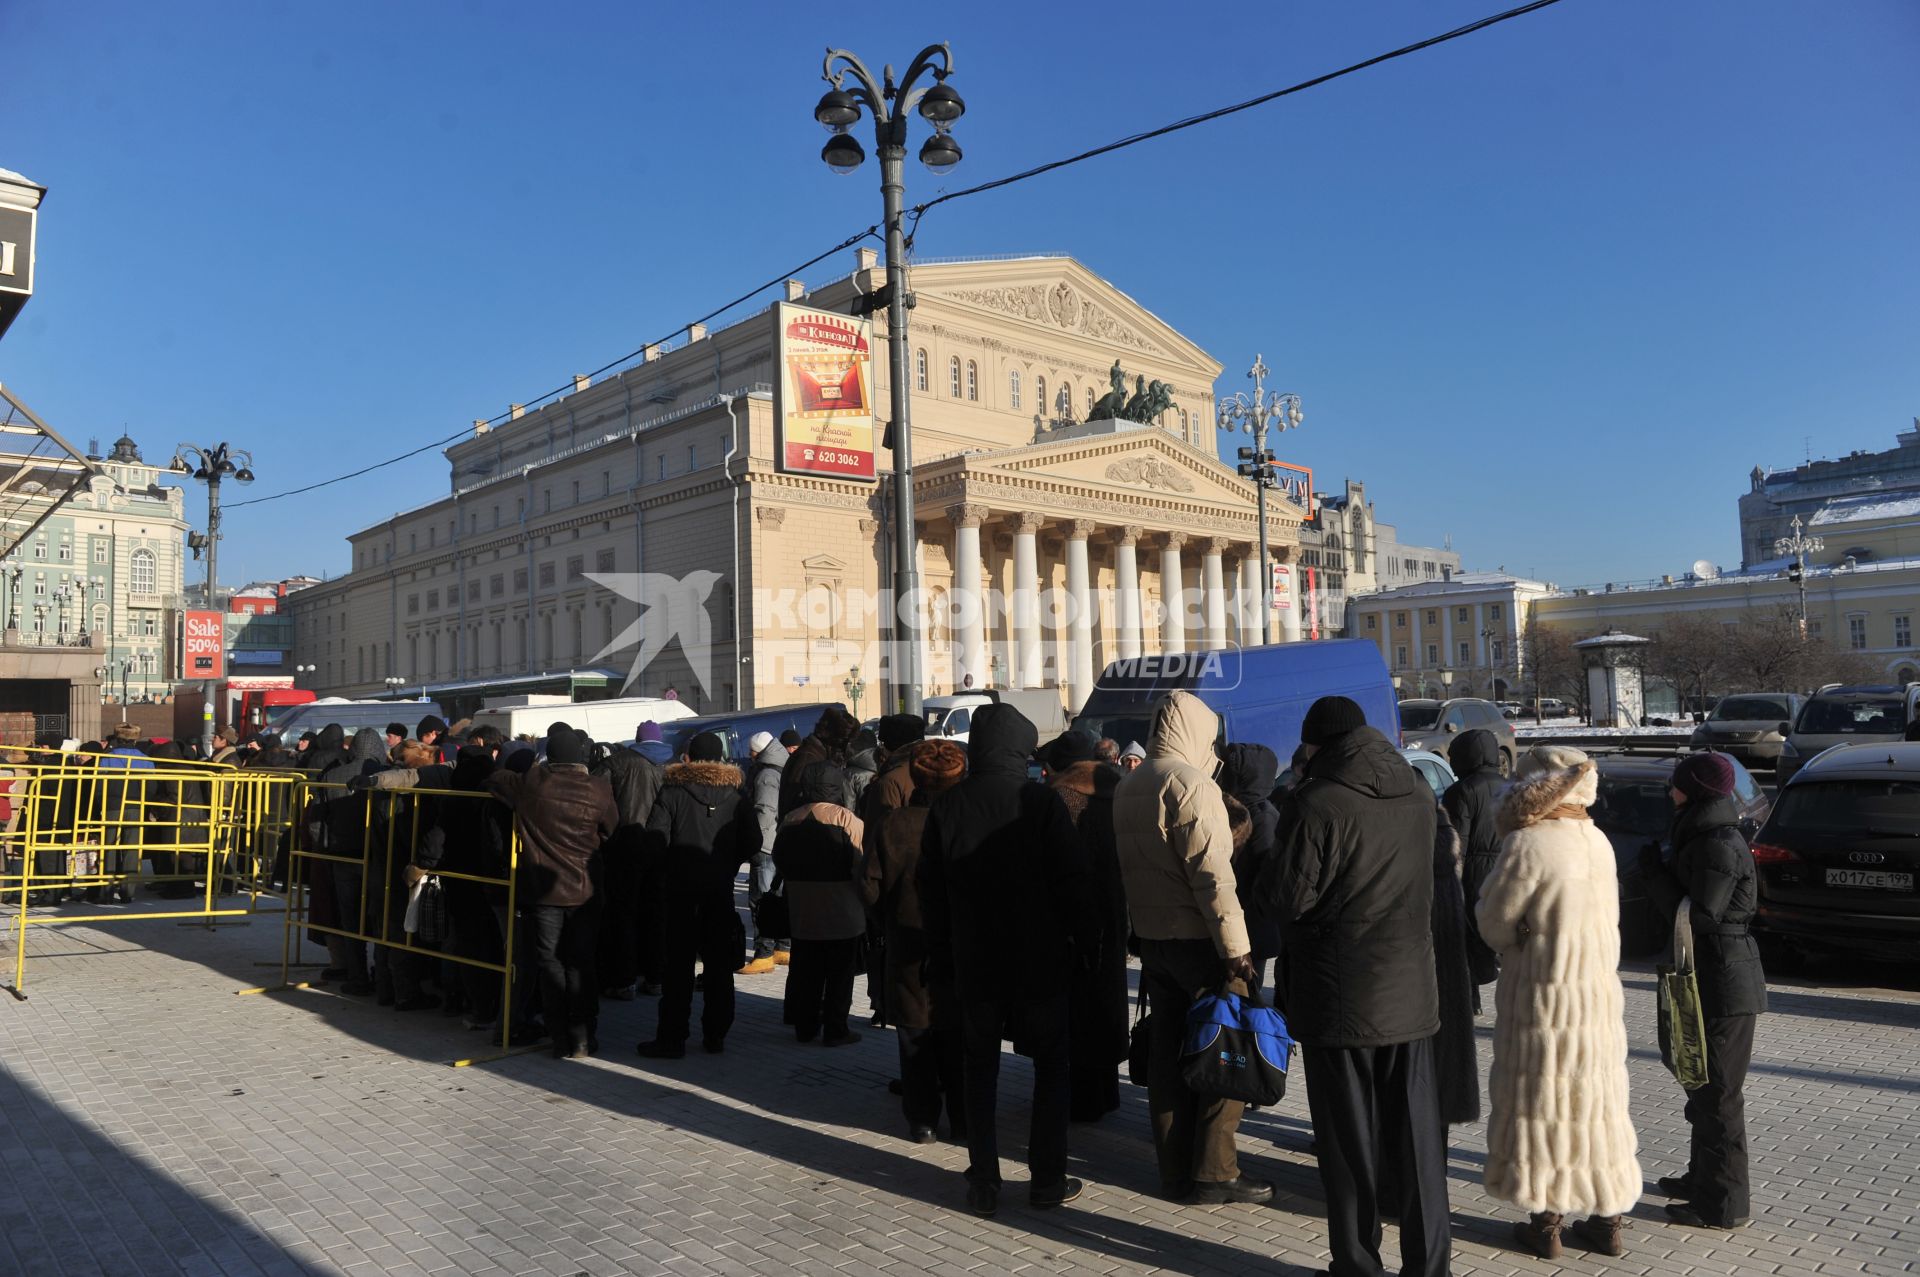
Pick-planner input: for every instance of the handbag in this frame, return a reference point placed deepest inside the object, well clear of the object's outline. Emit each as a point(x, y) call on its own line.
point(426, 918)
point(1140, 1039)
point(770, 916)
point(1235, 1048)
point(1683, 1024)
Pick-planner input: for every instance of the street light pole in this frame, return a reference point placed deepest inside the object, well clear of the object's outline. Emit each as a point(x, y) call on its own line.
point(1256, 416)
point(890, 102)
point(1798, 545)
point(210, 465)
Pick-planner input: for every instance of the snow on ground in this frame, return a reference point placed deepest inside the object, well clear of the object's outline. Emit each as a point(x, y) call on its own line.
point(1553, 727)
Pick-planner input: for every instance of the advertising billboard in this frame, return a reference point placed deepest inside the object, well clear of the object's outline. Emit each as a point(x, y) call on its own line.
point(1295, 484)
point(203, 653)
point(1283, 587)
point(825, 392)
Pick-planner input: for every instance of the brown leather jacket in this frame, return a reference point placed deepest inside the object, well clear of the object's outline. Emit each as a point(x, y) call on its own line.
point(563, 815)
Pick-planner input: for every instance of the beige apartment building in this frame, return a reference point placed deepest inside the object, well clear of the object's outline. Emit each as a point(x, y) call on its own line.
point(757, 583)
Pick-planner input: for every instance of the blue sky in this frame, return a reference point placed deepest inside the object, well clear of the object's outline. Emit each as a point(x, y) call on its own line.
point(1552, 289)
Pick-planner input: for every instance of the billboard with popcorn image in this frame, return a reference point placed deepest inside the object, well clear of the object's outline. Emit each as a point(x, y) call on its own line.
point(825, 392)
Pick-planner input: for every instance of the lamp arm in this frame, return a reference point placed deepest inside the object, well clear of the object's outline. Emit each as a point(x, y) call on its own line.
point(865, 89)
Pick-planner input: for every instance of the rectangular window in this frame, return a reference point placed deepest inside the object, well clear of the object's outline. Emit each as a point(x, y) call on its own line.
point(149, 626)
point(473, 591)
point(546, 501)
point(1460, 614)
point(39, 549)
point(1499, 650)
point(603, 561)
point(576, 492)
point(1373, 622)
point(693, 462)
point(1466, 654)
point(1013, 390)
point(1400, 657)
point(1433, 653)
point(1857, 633)
point(519, 580)
point(66, 552)
point(496, 586)
point(661, 464)
point(1399, 620)
point(1903, 631)
point(1493, 611)
point(1813, 628)
point(413, 604)
point(99, 549)
point(576, 567)
point(1433, 616)
point(546, 575)
point(433, 600)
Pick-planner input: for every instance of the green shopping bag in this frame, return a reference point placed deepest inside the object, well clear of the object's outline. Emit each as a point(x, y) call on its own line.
point(1683, 1026)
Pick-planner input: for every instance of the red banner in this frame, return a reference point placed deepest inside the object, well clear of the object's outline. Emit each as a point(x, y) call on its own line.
point(825, 370)
point(203, 651)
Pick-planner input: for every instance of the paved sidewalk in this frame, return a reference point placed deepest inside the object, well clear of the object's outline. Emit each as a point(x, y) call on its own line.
point(152, 1122)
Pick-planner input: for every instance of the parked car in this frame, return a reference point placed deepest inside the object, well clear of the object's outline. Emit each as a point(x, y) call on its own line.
point(1635, 808)
point(1428, 724)
point(1747, 726)
point(1260, 693)
point(737, 729)
point(1841, 715)
point(1837, 859)
point(1432, 768)
point(1512, 709)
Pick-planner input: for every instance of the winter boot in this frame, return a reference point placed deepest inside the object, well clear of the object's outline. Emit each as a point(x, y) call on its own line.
point(1540, 1234)
point(1599, 1233)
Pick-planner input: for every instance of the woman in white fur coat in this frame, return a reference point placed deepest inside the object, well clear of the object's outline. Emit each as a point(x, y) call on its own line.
point(1559, 1140)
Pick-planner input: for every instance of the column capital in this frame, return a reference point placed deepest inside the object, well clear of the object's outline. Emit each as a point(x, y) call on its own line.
point(1172, 540)
point(969, 514)
point(1219, 545)
point(770, 516)
point(1129, 535)
point(1279, 553)
point(1027, 522)
point(869, 526)
point(1080, 529)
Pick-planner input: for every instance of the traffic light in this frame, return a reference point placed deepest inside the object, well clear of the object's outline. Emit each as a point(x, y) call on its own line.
point(1793, 572)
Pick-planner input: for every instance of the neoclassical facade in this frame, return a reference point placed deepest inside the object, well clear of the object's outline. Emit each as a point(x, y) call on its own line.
point(1048, 544)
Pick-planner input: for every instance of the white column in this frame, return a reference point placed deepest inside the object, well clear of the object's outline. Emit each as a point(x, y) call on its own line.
point(1080, 611)
point(1214, 601)
point(1173, 622)
point(1446, 637)
point(1290, 615)
point(1026, 602)
point(968, 600)
point(1126, 571)
point(1251, 599)
point(1419, 652)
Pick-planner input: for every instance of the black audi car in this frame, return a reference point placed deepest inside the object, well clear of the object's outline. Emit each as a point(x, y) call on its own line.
point(1837, 860)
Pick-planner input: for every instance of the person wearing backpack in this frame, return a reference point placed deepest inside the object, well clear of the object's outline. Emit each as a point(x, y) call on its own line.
point(1175, 848)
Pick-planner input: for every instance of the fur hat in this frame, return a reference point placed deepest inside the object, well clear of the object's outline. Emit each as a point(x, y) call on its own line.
point(126, 732)
point(1330, 718)
point(937, 766)
point(430, 724)
point(1704, 776)
point(897, 730)
point(398, 729)
point(707, 747)
point(411, 753)
point(1549, 776)
point(836, 727)
point(1070, 748)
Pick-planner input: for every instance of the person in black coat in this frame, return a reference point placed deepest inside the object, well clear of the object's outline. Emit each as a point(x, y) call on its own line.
point(1471, 802)
point(1711, 865)
point(1352, 885)
point(1099, 1030)
point(1249, 774)
point(1005, 895)
point(630, 923)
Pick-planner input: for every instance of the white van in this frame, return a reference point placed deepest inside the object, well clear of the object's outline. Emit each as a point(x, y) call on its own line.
point(609, 720)
point(952, 716)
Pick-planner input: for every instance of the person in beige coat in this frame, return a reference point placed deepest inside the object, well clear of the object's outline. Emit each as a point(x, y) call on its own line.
point(1176, 862)
point(1559, 1140)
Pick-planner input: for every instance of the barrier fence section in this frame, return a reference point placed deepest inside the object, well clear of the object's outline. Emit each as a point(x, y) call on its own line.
point(349, 882)
point(101, 825)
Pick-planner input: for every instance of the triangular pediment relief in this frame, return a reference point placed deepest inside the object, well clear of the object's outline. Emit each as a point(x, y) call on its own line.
point(1058, 294)
point(823, 565)
point(1142, 463)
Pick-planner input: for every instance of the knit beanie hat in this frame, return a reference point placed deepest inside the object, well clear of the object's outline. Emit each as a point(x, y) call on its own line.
point(649, 731)
point(565, 746)
point(902, 729)
point(938, 766)
point(759, 741)
point(430, 724)
point(1707, 775)
point(1330, 718)
point(398, 729)
point(707, 747)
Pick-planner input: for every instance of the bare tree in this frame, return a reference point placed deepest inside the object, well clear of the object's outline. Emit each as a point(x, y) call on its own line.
point(1548, 661)
point(1689, 653)
point(1767, 653)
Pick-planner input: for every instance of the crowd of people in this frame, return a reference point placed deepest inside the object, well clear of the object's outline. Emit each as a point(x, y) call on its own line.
point(987, 907)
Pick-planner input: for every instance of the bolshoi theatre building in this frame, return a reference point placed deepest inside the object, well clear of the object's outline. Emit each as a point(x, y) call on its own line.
point(732, 495)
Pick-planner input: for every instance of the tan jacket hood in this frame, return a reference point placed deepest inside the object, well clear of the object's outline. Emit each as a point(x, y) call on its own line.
point(1184, 730)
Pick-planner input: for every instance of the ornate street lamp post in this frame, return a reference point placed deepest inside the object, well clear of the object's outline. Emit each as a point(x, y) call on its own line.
point(1257, 415)
point(855, 687)
point(210, 466)
point(1798, 545)
point(890, 101)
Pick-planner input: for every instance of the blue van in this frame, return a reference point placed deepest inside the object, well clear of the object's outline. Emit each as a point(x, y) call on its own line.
point(738, 729)
point(1260, 693)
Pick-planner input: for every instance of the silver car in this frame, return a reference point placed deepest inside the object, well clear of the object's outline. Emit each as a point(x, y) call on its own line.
point(1432, 725)
point(1748, 726)
point(1843, 716)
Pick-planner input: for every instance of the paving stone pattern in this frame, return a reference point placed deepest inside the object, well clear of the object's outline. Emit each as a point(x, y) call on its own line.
point(151, 1122)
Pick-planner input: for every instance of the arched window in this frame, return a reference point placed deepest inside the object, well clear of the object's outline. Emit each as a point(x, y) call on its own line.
point(1013, 389)
point(953, 376)
point(1183, 423)
point(143, 574)
point(973, 380)
point(1063, 402)
point(1090, 402)
point(1040, 392)
point(920, 369)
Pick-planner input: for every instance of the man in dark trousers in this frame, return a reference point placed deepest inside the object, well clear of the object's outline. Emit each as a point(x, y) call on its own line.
point(1712, 866)
point(700, 832)
point(1471, 802)
point(1351, 883)
point(1008, 910)
point(626, 925)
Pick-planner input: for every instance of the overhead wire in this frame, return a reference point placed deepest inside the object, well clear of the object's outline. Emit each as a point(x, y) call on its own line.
point(918, 211)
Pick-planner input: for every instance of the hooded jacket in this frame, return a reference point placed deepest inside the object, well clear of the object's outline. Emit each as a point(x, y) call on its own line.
point(1002, 878)
point(1175, 846)
point(1559, 1137)
point(818, 853)
point(1712, 865)
point(1099, 1011)
point(1249, 774)
point(1352, 886)
point(344, 812)
point(1473, 804)
point(563, 815)
point(701, 830)
point(328, 748)
point(636, 785)
point(763, 786)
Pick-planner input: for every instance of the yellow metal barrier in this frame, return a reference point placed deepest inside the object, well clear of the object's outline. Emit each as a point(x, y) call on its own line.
point(87, 824)
point(363, 839)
